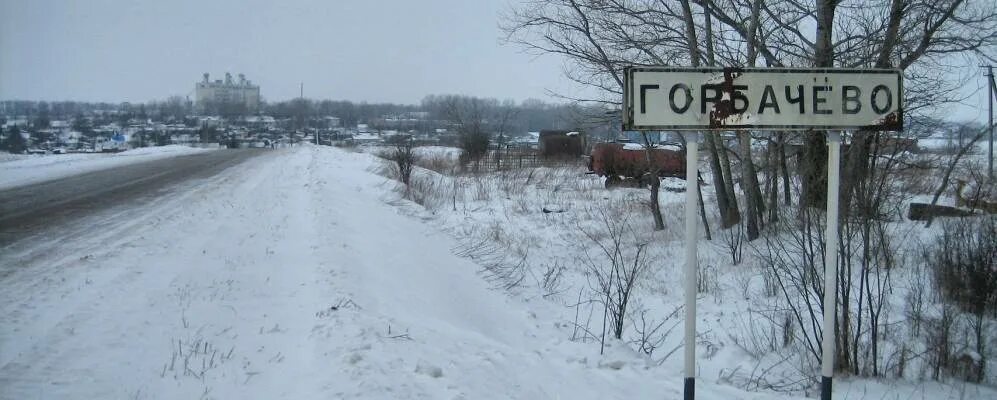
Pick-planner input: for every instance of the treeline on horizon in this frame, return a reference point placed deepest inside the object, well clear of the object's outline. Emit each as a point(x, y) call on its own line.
point(527, 115)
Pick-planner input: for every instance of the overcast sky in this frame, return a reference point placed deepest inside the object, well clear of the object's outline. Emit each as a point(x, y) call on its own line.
point(360, 50)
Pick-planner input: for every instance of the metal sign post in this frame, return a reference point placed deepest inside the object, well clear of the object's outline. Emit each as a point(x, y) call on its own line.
point(691, 261)
point(830, 262)
point(827, 99)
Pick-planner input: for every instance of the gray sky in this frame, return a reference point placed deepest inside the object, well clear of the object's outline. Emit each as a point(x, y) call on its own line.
point(360, 50)
point(398, 51)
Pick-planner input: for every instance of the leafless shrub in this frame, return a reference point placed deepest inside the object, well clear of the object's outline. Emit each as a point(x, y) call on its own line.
point(707, 280)
point(440, 163)
point(758, 334)
point(550, 280)
point(579, 331)
point(770, 283)
point(917, 179)
point(769, 335)
point(940, 345)
point(733, 241)
point(194, 358)
point(402, 158)
point(964, 262)
point(743, 278)
point(794, 263)
point(512, 182)
point(767, 376)
point(917, 296)
point(481, 188)
point(651, 333)
point(523, 205)
point(502, 263)
point(898, 361)
point(429, 190)
point(867, 256)
point(622, 261)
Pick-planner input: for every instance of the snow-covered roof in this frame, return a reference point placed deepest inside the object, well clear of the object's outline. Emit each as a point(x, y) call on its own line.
point(639, 146)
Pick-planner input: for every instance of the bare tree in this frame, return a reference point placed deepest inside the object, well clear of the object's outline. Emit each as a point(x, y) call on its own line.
point(402, 157)
point(600, 37)
point(654, 180)
point(720, 164)
point(947, 176)
point(917, 35)
point(505, 113)
point(469, 115)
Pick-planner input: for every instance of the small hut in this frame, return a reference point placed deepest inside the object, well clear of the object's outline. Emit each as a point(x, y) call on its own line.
point(558, 143)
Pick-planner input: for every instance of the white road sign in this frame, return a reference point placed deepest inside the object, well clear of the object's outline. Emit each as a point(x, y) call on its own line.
point(667, 98)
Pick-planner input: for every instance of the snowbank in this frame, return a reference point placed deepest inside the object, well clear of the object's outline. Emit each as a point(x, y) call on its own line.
point(8, 157)
point(27, 169)
point(451, 153)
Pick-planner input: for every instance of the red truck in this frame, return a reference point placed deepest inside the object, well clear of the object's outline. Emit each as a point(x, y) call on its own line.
point(625, 164)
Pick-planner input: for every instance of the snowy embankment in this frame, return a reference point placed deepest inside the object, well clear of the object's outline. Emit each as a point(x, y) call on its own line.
point(25, 170)
point(536, 233)
point(289, 277)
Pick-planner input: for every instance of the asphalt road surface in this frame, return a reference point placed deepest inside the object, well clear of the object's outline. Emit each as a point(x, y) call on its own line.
point(31, 210)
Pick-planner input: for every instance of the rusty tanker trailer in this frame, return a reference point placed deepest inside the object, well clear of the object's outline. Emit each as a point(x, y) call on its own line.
point(627, 164)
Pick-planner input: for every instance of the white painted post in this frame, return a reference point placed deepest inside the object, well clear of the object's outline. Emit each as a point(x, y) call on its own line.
point(691, 260)
point(830, 262)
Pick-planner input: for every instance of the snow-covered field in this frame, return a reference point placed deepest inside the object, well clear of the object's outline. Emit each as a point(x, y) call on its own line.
point(302, 275)
point(19, 170)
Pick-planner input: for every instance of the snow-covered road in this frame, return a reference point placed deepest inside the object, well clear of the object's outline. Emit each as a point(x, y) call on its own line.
point(21, 170)
point(287, 278)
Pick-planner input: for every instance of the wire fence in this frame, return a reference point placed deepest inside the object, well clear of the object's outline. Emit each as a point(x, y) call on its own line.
point(507, 159)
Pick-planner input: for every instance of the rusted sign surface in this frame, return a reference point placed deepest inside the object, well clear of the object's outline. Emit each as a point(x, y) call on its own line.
point(669, 98)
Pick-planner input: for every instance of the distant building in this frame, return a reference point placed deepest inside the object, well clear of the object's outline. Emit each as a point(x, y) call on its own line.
point(530, 141)
point(329, 122)
point(227, 93)
point(559, 143)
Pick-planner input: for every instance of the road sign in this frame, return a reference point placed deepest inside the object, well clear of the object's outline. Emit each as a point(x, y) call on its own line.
point(830, 99)
point(671, 98)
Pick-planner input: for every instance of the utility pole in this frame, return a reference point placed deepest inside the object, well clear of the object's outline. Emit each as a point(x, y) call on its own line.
point(992, 92)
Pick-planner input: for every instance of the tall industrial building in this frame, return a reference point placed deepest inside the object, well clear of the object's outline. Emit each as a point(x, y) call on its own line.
point(227, 93)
